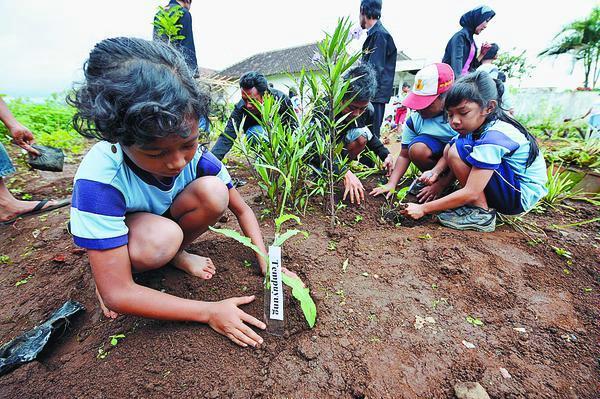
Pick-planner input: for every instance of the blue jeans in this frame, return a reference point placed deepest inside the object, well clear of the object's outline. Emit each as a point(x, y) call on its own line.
point(6, 166)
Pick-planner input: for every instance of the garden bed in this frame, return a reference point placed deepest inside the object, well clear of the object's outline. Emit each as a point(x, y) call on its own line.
point(391, 324)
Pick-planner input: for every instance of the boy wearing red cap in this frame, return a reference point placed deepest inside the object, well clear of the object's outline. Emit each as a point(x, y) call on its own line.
point(425, 133)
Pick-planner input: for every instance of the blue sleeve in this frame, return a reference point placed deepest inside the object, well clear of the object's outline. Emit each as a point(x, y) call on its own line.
point(489, 150)
point(209, 165)
point(98, 215)
point(408, 132)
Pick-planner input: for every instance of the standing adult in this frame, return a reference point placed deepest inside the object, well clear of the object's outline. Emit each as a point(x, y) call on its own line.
point(380, 51)
point(185, 45)
point(461, 50)
point(11, 208)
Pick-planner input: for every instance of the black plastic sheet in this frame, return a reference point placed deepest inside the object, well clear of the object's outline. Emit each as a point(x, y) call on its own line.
point(28, 345)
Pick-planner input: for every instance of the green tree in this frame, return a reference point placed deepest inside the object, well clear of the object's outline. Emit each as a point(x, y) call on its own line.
point(514, 65)
point(581, 40)
point(166, 23)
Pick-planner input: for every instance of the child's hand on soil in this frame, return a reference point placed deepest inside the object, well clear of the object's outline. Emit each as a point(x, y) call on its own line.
point(353, 186)
point(387, 188)
point(226, 318)
point(388, 165)
point(415, 211)
point(429, 193)
point(428, 177)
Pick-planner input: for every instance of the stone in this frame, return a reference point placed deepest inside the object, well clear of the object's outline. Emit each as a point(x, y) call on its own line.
point(470, 390)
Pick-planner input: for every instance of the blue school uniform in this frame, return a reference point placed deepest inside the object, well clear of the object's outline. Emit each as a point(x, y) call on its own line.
point(514, 187)
point(108, 186)
point(434, 132)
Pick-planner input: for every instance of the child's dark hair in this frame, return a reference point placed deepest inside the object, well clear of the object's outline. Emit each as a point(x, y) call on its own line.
point(136, 91)
point(492, 52)
point(363, 84)
point(479, 87)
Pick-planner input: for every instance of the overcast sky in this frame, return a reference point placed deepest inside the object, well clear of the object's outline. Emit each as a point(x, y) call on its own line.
point(43, 43)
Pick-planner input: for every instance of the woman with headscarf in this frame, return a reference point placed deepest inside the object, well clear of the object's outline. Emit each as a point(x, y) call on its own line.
point(461, 51)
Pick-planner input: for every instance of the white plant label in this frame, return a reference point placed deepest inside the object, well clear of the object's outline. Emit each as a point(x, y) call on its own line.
point(276, 310)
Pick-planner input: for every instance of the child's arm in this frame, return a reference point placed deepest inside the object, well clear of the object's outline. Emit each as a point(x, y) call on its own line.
point(112, 274)
point(476, 182)
point(248, 224)
point(400, 168)
point(431, 176)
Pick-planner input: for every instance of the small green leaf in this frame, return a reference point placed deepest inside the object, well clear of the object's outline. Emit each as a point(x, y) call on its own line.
point(474, 321)
point(280, 239)
point(114, 341)
point(587, 290)
point(425, 236)
point(302, 294)
point(239, 238)
point(284, 218)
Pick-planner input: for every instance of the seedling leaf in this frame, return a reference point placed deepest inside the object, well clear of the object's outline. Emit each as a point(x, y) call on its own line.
point(302, 294)
point(239, 238)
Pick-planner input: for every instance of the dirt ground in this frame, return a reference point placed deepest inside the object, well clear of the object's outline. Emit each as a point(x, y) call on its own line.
point(391, 326)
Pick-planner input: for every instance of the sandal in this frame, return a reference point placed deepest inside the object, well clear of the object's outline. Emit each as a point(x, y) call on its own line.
point(39, 208)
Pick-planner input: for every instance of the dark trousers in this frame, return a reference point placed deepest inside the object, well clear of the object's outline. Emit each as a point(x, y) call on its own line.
point(379, 110)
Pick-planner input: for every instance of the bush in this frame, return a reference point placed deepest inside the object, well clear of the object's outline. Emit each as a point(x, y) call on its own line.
point(50, 123)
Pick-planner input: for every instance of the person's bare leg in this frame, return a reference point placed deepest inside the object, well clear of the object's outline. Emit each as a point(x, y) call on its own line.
point(152, 242)
point(10, 207)
point(461, 170)
point(421, 156)
point(200, 205)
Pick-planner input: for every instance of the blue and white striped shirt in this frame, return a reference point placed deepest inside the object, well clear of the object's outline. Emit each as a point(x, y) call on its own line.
point(108, 185)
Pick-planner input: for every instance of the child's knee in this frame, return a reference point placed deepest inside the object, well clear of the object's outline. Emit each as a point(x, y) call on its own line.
point(451, 154)
point(212, 193)
point(150, 251)
point(419, 152)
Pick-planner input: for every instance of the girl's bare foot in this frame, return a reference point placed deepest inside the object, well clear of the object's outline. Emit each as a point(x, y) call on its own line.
point(194, 265)
point(107, 312)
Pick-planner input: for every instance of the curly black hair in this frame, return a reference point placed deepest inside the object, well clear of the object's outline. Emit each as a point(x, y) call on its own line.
point(136, 91)
point(254, 79)
point(363, 83)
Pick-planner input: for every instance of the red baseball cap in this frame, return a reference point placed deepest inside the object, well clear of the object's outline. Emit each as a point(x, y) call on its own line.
point(430, 82)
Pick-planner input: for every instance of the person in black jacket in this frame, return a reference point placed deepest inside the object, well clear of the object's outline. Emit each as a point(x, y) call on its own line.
point(357, 136)
point(461, 51)
point(380, 51)
point(254, 86)
point(186, 45)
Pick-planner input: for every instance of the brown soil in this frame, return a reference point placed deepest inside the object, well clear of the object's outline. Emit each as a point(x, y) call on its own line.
point(366, 342)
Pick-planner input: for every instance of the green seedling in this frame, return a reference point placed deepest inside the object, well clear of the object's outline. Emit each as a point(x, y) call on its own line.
point(375, 340)
point(114, 339)
point(562, 252)
point(436, 302)
point(247, 264)
point(566, 272)
point(342, 296)
point(299, 291)
point(474, 321)
point(534, 242)
point(401, 194)
point(425, 236)
point(102, 353)
point(372, 317)
point(587, 290)
point(358, 219)
point(434, 286)
point(27, 197)
point(345, 265)
point(5, 260)
point(24, 281)
point(332, 245)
